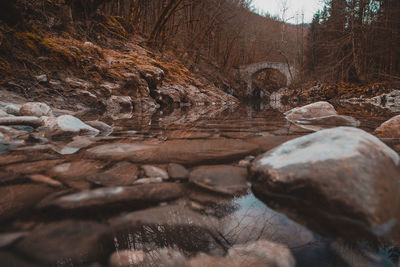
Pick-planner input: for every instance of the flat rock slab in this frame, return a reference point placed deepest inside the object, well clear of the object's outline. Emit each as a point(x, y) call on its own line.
point(176, 151)
point(145, 194)
point(224, 179)
point(343, 181)
point(23, 120)
point(69, 241)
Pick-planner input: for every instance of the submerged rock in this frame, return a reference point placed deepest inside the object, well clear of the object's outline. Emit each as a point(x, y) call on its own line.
point(153, 171)
point(389, 129)
point(177, 171)
point(17, 200)
point(140, 195)
point(224, 179)
point(66, 241)
point(177, 151)
point(342, 181)
point(104, 128)
point(67, 125)
point(319, 115)
point(36, 109)
point(22, 120)
point(121, 174)
point(260, 254)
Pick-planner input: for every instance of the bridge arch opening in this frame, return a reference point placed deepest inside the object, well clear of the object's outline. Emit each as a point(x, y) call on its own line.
point(267, 80)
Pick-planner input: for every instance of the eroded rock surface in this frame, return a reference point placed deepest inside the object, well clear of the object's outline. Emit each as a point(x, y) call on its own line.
point(389, 129)
point(342, 181)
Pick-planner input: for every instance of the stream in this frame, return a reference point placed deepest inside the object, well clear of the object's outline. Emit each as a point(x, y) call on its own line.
point(74, 202)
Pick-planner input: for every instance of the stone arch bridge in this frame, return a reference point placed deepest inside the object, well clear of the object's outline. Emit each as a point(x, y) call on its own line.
point(246, 73)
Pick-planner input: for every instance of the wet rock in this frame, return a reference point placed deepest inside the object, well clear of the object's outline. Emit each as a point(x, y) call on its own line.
point(12, 109)
point(171, 225)
point(10, 133)
point(78, 143)
point(127, 258)
point(72, 242)
point(36, 109)
point(75, 173)
point(140, 195)
point(165, 257)
point(181, 134)
point(22, 120)
point(20, 170)
point(121, 174)
point(45, 180)
point(149, 180)
point(198, 151)
point(177, 171)
point(260, 254)
point(389, 129)
point(153, 171)
point(67, 125)
point(321, 114)
point(6, 239)
point(244, 163)
point(342, 181)
point(224, 179)
point(3, 113)
point(104, 128)
point(18, 200)
point(118, 151)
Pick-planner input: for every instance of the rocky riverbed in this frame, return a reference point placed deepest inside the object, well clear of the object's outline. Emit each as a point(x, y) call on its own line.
point(175, 188)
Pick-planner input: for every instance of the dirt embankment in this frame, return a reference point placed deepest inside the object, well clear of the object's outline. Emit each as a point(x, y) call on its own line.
point(85, 69)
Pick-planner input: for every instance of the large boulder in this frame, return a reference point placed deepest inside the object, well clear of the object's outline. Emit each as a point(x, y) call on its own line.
point(389, 129)
point(67, 125)
point(341, 181)
point(37, 109)
point(318, 116)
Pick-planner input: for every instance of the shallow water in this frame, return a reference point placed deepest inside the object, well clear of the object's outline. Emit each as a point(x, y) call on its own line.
point(196, 221)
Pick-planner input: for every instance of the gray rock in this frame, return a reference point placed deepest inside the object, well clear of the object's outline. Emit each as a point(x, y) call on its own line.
point(224, 179)
point(67, 125)
point(3, 114)
point(177, 171)
point(318, 116)
point(389, 129)
point(66, 241)
point(12, 109)
point(23, 120)
point(36, 109)
point(7, 239)
point(342, 181)
point(104, 128)
point(153, 171)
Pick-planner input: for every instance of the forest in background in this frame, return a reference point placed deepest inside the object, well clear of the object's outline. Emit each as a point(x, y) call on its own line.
point(355, 41)
point(226, 32)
